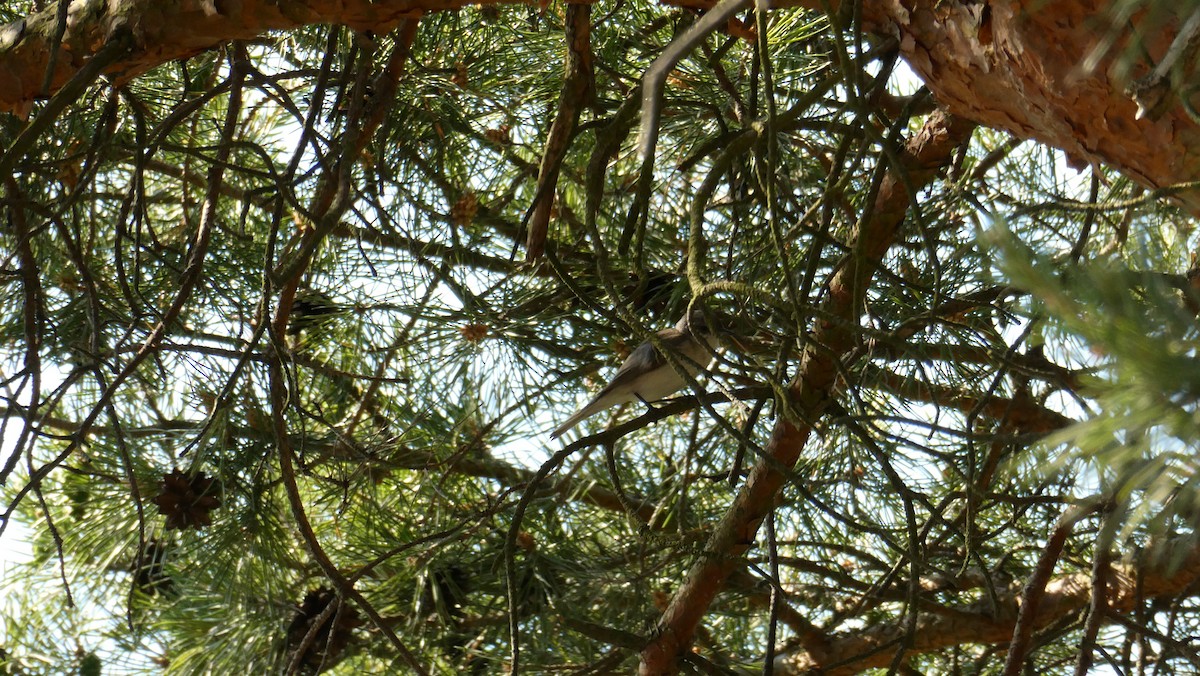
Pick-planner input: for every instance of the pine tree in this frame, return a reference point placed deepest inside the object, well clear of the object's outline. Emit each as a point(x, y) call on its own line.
point(291, 299)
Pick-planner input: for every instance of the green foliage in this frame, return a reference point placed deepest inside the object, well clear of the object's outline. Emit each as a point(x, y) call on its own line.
point(1137, 441)
point(420, 365)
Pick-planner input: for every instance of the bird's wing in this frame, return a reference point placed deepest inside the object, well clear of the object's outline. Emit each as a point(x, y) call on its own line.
point(643, 359)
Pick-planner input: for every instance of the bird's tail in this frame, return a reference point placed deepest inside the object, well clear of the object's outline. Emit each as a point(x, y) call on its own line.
point(594, 406)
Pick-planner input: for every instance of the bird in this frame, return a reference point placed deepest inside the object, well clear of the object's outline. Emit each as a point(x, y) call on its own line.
point(646, 375)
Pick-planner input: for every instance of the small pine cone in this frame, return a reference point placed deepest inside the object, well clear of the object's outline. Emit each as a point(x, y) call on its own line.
point(473, 333)
point(525, 541)
point(188, 502)
point(621, 349)
point(501, 135)
point(460, 75)
point(463, 211)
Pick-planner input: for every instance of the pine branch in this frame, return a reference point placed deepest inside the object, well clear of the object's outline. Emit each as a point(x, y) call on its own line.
point(1160, 573)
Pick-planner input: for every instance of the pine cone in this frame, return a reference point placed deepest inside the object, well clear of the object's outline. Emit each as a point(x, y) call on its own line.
point(187, 502)
point(322, 649)
point(463, 211)
point(474, 333)
point(460, 75)
point(501, 136)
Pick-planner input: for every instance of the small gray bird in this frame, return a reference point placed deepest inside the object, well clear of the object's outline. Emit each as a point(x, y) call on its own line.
point(646, 375)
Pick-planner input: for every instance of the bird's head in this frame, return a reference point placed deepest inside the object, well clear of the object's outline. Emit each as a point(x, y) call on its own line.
point(697, 323)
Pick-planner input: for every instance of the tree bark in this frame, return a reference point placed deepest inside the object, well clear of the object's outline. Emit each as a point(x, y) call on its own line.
point(162, 31)
point(1169, 571)
point(1055, 72)
point(1058, 73)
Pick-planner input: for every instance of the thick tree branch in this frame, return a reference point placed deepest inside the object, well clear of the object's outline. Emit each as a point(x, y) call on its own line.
point(1059, 77)
point(1168, 571)
point(578, 87)
point(1041, 75)
point(810, 393)
point(166, 30)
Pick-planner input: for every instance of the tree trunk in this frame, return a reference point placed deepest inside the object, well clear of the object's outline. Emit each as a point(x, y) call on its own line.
point(1059, 72)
